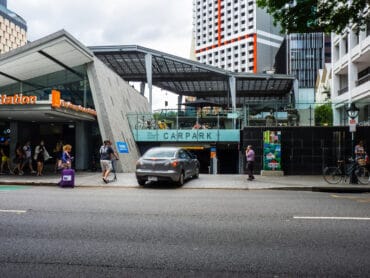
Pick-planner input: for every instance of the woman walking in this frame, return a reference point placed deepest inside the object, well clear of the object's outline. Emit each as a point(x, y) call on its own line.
point(41, 154)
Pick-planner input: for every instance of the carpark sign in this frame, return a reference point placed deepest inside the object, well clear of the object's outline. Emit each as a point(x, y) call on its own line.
point(122, 147)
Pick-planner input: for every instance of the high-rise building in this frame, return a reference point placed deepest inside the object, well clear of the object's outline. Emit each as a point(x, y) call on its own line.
point(302, 55)
point(234, 35)
point(13, 29)
point(351, 73)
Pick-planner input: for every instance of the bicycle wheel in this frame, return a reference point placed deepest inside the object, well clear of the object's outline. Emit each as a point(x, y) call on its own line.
point(362, 174)
point(332, 175)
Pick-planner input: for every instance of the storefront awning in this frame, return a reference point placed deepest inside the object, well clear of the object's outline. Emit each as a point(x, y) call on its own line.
point(42, 113)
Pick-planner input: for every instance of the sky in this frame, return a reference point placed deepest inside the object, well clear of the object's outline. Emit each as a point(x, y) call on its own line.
point(164, 25)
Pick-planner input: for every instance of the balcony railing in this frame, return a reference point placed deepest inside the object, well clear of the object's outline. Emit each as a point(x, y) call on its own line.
point(203, 126)
point(174, 125)
point(363, 80)
point(342, 91)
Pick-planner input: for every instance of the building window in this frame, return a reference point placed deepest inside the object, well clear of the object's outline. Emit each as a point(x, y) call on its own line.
point(345, 44)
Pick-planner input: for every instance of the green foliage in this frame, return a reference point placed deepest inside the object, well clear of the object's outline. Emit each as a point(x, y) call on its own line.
point(324, 115)
point(306, 16)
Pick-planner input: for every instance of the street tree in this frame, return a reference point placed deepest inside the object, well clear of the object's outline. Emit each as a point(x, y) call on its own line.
point(306, 16)
point(324, 115)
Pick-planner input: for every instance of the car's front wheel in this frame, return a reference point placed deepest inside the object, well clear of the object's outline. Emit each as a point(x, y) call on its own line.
point(196, 175)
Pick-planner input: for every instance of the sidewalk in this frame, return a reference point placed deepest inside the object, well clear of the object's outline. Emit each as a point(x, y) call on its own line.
point(205, 181)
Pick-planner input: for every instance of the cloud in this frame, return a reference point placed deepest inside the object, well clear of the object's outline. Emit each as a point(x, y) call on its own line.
point(164, 25)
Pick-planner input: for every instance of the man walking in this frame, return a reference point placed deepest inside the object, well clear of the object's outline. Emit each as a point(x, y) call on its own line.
point(106, 155)
point(249, 153)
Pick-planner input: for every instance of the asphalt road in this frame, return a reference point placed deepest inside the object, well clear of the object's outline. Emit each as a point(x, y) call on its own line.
point(101, 232)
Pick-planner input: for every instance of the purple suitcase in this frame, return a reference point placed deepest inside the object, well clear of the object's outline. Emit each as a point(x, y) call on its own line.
point(67, 178)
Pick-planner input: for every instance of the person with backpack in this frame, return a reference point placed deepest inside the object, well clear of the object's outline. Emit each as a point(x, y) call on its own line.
point(28, 157)
point(106, 155)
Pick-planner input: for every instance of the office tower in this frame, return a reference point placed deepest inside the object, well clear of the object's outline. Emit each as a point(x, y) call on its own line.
point(302, 55)
point(13, 29)
point(235, 35)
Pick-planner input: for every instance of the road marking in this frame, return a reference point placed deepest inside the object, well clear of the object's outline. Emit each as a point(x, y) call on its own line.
point(13, 211)
point(360, 199)
point(332, 218)
point(12, 187)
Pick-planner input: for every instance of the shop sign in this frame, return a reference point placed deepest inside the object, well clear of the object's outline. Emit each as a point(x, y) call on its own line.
point(122, 147)
point(57, 102)
point(190, 135)
point(17, 99)
point(177, 135)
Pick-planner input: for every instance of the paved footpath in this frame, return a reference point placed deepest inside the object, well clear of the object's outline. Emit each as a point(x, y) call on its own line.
point(205, 181)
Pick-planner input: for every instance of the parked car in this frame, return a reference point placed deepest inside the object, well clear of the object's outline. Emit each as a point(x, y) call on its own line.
point(167, 164)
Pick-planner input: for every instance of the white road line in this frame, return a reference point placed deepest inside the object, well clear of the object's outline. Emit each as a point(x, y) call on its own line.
point(12, 211)
point(332, 218)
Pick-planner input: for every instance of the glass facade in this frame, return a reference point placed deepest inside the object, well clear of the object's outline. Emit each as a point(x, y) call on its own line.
point(73, 87)
point(306, 57)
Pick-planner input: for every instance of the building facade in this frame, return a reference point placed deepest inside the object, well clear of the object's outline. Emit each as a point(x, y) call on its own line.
point(13, 29)
point(351, 73)
point(234, 35)
point(323, 84)
point(67, 94)
point(303, 55)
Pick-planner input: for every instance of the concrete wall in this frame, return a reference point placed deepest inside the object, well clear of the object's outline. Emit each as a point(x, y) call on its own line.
point(114, 98)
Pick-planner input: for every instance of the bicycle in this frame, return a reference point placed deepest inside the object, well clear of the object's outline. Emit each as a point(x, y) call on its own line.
point(112, 177)
point(334, 175)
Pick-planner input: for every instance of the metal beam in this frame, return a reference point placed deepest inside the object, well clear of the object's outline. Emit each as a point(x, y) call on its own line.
point(60, 63)
point(149, 75)
point(21, 81)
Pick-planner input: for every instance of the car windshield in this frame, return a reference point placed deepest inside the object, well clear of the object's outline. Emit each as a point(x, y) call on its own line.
point(160, 153)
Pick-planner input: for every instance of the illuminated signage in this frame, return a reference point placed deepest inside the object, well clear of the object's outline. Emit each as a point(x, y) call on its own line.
point(57, 102)
point(17, 99)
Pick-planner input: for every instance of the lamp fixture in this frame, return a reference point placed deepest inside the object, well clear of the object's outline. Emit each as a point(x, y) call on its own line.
point(352, 111)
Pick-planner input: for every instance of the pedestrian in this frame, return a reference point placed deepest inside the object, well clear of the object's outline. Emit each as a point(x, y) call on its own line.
point(359, 151)
point(41, 155)
point(106, 155)
point(28, 157)
point(250, 156)
point(66, 158)
point(5, 157)
point(18, 159)
point(57, 152)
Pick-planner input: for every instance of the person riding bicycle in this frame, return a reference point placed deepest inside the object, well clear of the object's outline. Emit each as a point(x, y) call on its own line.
point(360, 153)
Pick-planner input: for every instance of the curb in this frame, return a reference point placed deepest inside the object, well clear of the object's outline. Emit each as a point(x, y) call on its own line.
point(331, 189)
point(334, 189)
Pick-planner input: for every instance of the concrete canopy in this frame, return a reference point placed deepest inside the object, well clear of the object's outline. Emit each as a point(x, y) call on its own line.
point(56, 52)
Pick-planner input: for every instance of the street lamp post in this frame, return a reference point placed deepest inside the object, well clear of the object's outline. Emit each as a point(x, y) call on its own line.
point(352, 112)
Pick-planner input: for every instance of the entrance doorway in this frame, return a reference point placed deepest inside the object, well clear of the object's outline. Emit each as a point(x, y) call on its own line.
point(50, 133)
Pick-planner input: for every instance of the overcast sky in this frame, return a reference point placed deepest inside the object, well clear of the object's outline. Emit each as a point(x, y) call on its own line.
point(164, 25)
